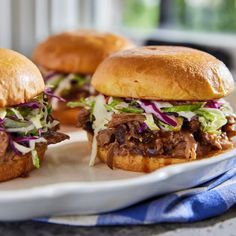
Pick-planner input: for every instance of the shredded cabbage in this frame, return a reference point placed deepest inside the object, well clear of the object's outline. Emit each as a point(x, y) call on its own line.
point(65, 84)
point(167, 127)
point(22, 149)
point(162, 104)
point(186, 114)
point(3, 113)
point(54, 80)
point(164, 115)
point(186, 111)
point(226, 108)
point(102, 117)
point(159, 115)
point(36, 121)
point(17, 113)
point(88, 103)
point(34, 153)
point(83, 102)
point(35, 158)
point(151, 123)
point(211, 119)
point(185, 108)
point(152, 108)
point(22, 130)
point(25, 125)
point(62, 84)
point(118, 105)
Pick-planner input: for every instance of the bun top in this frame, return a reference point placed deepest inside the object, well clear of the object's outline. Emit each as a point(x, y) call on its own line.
point(20, 79)
point(79, 51)
point(163, 73)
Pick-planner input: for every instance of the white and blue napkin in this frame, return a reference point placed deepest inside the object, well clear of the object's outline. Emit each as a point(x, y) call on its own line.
point(207, 200)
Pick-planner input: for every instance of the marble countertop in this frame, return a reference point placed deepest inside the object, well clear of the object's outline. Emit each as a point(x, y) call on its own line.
point(219, 226)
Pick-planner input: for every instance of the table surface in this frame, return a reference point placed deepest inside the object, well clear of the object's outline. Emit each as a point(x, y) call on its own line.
point(219, 226)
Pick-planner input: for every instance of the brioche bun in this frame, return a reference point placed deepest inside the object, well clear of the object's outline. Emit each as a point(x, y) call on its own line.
point(20, 165)
point(79, 51)
point(20, 79)
point(163, 73)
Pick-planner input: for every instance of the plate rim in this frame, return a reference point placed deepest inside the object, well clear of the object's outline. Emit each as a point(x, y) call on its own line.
point(59, 189)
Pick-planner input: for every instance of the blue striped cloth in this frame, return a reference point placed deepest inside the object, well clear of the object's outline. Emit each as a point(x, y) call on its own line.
point(208, 200)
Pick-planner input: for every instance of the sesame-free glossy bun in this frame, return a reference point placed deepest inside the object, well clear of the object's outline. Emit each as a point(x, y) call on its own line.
point(20, 165)
point(78, 51)
point(20, 79)
point(163, 73)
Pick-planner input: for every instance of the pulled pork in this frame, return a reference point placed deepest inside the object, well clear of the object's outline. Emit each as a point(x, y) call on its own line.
point(6, 153)
point(55, 137)
point(229, 128)
point(123, 136)
point(76, 93)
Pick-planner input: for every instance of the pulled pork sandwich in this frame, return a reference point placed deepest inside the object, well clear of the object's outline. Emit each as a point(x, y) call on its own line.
point(68, 60)
point(158, 106)
point(26, 124)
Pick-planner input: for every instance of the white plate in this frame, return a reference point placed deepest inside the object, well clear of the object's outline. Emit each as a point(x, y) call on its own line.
point(66, 185)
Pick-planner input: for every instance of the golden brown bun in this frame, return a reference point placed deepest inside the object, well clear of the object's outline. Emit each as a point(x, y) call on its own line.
point(163, 73)
point(20, 166)
point(138, 163)
point(20, 79)
point(79, 51)
point(66, 116)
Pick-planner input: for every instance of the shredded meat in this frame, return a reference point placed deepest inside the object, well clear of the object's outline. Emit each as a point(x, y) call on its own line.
point(180, 144)
point(76, 93)
point(216, 141)
point(194, 125)
point(83, 117)
point(120, 132)
point(123, 118)
point(55, 137)
point(231, 119)
point(112, 150)
point(177, 144)
point(124, 135)
point(6, 153)
point(104, 137)
point(4, 141)
point(203, 150)
point(84, 121)
point(159, 146)
point(230, 127)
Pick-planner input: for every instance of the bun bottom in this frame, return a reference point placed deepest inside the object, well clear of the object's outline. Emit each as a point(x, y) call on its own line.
point(20, 165)
point(67, 116)
point(138, 163)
